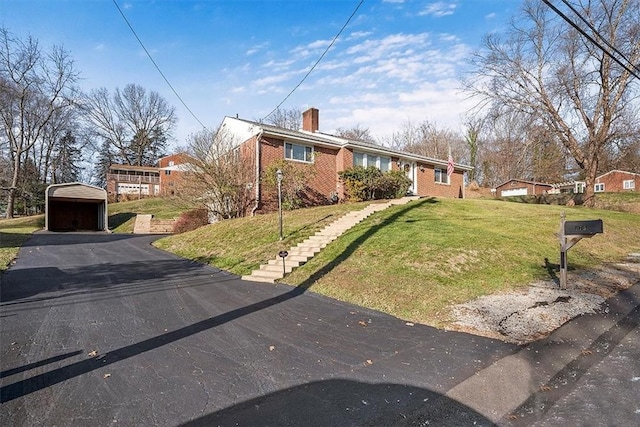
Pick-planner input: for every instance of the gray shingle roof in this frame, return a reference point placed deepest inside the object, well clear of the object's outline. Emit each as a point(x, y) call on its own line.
point(338, 142)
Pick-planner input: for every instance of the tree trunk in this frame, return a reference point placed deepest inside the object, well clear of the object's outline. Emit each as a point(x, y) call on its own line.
point(591, 172)
point(10, 202)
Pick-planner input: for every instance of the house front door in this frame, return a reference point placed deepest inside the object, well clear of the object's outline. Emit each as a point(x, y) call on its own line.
point(410, 170)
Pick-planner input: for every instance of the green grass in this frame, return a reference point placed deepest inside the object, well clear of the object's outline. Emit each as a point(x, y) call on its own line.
point(122, 215)
point(241, 245)
point(414, 261)
point(625, 202)
point(13, 233)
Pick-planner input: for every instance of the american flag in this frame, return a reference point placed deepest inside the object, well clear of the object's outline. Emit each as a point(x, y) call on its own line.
point(450, 164)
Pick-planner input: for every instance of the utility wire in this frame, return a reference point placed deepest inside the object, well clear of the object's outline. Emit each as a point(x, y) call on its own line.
point(581, 31)
point(317, 62)
point(156, 65)
point(583, 19)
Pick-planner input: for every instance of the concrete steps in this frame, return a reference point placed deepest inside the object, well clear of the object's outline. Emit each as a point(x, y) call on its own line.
point(147, 224)
point(161, 226)
point(142, 224)
point(304, 251)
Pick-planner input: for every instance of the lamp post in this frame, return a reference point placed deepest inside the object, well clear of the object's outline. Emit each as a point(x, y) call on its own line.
point(279, 175)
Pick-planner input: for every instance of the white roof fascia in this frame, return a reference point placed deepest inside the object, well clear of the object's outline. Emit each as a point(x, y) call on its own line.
point(617, 170)
point(239, 128)
point(307, 141)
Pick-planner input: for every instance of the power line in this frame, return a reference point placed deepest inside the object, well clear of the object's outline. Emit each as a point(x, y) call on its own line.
point(317, 62)
point(156, 65)
point(581, 31)
point(583, 19)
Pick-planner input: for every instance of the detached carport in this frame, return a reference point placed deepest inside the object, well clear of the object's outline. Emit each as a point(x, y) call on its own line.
point(75, 206)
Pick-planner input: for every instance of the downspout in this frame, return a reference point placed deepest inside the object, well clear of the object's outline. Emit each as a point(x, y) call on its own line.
point(257, 205)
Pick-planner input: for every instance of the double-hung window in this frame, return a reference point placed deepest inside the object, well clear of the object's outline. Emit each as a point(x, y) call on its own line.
point(301, 153)
point(599, 187)
point(440, 176)
point(628, 184)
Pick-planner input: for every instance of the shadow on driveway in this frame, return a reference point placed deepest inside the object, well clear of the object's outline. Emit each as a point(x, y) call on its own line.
point(341, 402)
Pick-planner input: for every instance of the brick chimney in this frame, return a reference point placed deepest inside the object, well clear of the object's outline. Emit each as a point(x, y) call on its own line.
point(311, 120)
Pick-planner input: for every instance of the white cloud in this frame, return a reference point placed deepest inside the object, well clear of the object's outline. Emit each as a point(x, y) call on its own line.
point(389, 45)
point(257, 48)
point(491, 15)
point(439, 9)
point(318, 44)
point(278, 65)
point(359, 35)
point(312, 48)
point(445, 37)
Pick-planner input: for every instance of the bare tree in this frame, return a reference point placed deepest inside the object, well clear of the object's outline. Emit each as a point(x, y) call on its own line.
point(426, 139)
point(35, 87)
point(286, 118)
point(133, 124)
point(473, 127)
point(219, 175)
point(356, 134)
point(544, 68)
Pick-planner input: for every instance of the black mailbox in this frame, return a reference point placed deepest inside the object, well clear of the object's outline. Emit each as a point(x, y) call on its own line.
point(593, 226)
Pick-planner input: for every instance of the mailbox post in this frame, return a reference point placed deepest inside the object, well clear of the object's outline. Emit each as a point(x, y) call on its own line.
point(571, 232)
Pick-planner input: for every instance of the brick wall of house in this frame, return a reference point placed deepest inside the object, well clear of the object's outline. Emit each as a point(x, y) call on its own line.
point(171, 180)
point(344, 160)
point(321, 185)
point(326, 178)
point(428, 187)
point(177, 159)
point(613, 181)
point(111, 189)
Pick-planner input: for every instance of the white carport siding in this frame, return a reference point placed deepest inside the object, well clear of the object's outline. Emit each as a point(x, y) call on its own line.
point(512, 192)
point(76, 207)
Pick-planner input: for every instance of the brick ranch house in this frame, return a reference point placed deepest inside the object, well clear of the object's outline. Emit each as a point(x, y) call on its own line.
point(617, 181)
point(330, 155)
point(521, 187)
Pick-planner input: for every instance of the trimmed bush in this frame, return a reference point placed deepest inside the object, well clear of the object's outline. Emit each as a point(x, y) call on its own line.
point(190, 220)
point(370, 184)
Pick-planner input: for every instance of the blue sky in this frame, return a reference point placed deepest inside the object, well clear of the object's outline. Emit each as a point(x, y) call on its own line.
point(396, 61)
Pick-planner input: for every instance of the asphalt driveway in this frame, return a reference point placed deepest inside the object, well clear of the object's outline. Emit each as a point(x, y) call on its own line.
point(104, 329)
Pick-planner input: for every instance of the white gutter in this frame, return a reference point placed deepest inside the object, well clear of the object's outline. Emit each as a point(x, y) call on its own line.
point(257, 205)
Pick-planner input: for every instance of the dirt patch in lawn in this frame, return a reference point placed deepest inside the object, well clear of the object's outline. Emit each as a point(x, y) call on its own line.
point(533, 313)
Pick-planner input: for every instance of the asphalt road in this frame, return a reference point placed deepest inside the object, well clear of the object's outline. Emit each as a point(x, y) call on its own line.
point(100, 329)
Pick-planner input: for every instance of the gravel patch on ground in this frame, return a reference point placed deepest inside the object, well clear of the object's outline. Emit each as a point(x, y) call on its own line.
point(529, 314)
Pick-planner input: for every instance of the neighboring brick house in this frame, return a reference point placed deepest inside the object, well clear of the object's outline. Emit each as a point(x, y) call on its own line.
point(519, 187)
point(146, 181)
point(617, 181)
point(171, 169)
point(132, 181)
point(330, 154)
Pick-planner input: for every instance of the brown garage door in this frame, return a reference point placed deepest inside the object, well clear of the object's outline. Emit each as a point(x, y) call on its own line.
point(76, 215)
